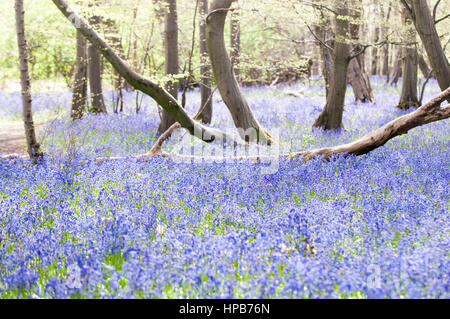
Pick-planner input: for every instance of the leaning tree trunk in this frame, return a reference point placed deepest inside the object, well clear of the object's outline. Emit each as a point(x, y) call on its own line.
point(226, 81)
point(205, 70)
point(409, 84)
point(79, 97)
point(171, 59)
point(34, 150)
point(235, 41)
point(331, 116)
point(426, 29)
point(145, 85)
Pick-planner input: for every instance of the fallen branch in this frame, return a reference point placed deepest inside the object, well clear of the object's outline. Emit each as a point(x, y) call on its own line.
point(427, 113)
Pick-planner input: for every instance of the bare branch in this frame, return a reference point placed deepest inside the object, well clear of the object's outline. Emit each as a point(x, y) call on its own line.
point(408, 9)
point(318, 39)
point(441, 19)
point(435, 9)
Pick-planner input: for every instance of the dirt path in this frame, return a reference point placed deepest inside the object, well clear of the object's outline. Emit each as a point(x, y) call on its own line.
point(12, 138)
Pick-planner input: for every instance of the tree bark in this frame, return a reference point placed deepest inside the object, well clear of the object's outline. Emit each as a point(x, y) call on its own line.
point(226, 81)
point(205, 70)
point(33, 147)
point(426, 28)
point(155, 91)
point(409, 97)
point(79, 97)
point(171, 59)
point(331, 116)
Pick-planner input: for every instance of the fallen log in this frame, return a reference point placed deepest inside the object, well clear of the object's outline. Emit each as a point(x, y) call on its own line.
point(427, 113)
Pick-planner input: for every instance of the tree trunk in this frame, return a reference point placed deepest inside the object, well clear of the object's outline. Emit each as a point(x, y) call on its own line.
point(152, 89)
point(409, 84)
point(33, 146)
point(397, 67)
point(226, 81)
point(426, 28)
point(324, 32)
point(424, 68)
point(79, 97)
point(375, 53)
point(171, 59)
point(95, 74)
point(235, 42)
point(205, 70)
point(95, 80)
point(359, 83)
point(384, 67)
point(356, 70)
point(331, 116)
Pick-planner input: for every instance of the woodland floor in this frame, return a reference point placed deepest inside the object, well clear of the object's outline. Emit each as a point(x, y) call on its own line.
point(12, 138)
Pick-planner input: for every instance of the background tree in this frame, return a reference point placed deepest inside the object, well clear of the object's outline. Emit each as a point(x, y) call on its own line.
point(331, 116)
point(356, 69)
point(425, 25)
point(235, 41)
point(79, 97)
point(205, 70)
point(171, 59)
point(33, 146)
point(95, 68)
point(409, 97)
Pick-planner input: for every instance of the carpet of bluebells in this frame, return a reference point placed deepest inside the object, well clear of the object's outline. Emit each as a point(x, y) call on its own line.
point(375, 226)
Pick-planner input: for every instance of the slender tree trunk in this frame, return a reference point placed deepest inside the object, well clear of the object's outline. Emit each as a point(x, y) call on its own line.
point(33, 146)
point(426, 28)
point(227, 84)
point(409, 84)
point(205, 70)
point(171, 59)
point(235, 41)
point(95, 80)
point(95, 73)
point(375, 53)
point(324, 32)
point(331, 116)
point(384, 67)
point(79, 97)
